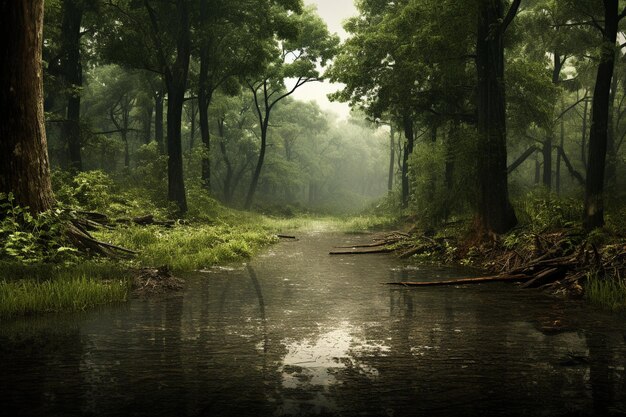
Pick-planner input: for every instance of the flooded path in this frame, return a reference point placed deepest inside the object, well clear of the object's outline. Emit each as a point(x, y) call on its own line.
point(298, 332)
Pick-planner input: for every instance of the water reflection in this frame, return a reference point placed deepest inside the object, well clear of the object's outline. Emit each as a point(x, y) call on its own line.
point(300, 333)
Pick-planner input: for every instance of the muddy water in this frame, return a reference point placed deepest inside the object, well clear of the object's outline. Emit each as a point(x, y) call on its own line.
point(297, 332)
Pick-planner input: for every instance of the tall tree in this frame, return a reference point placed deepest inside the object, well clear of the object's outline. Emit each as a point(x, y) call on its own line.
point(296, 58)
point(24, 169)
point(494, 210)
point(72, 75)
point(593, 215)
point(156, 35)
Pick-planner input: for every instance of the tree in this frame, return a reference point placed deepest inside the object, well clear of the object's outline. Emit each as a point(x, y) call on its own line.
point(295, 58)
point(494, 210)
point(24, 168)
point(232, 42)
point(593, 215)
point(156, 35)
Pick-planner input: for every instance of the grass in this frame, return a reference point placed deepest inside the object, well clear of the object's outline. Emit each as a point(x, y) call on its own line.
point(191, 247)
point(608, 293)
point(44, 288)
point(25, 297)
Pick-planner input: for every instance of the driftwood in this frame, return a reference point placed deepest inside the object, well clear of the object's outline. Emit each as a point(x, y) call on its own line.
point(460, 281)
point(286, 236)
point(364, 251)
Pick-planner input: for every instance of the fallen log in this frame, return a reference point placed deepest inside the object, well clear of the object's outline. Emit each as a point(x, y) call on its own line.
point(477, 280)
point(550, 274)
point(360, 252)
point(369, 245)
point(286, 236)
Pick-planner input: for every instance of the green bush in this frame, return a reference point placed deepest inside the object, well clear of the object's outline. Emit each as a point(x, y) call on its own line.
point(30, 239)
point(541, 210)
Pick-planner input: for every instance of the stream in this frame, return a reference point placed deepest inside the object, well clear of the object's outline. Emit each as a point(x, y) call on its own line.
point(297, 332)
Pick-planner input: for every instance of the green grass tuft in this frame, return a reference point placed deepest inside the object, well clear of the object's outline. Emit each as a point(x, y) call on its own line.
point(191, 247)
point(24, 297)
point(608, 293)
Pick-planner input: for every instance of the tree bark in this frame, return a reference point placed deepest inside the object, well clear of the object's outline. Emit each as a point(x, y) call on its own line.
point(593, 215)
point(176, 82)
point(158, 121)
point(72, 73)
point(392, 154)
point(205, 93)
point(409, 135)
point(259, 165)
point(24, 167)
point(494, 211)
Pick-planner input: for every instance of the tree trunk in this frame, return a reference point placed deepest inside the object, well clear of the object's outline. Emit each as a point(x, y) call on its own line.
point(593, 215)
point(259, 165)
point(409, 135)
point(147, 124)
point(558, 155)
point(611, 154)
point(24, 168)
point(72, 73)
point(205, 93)
point(546, 152)
point(494, 211)
point(549, 141)
point(176, 81)
point(583, 140)
point(228, 177)
point(158, 121)
point(392, 154)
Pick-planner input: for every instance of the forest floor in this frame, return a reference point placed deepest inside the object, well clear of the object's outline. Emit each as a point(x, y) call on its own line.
point(564, 261)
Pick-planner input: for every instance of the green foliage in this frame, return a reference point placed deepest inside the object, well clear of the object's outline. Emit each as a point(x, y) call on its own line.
point(133, 194)
point(30, 239)
point(187, 248)
point(609, 293)
point(542, 211)
point(89, 190)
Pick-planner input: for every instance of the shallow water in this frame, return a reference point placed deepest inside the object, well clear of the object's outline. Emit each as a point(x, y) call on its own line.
point(298, 332)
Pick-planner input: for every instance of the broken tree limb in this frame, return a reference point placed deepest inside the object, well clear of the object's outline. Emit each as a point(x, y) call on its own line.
point(286, 236)
point(477, 280)
point(360, 252)
point(521, 159)
point(369, 245)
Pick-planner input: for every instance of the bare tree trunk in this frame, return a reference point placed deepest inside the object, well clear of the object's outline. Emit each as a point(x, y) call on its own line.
point(494, 210)
point(24, 167)
point(409, 135)
point(205, 93)
point(583, 142)
point(392, 154)
point(158, 120)
point(593, 215)
point(176, 81)
point(72, 73)
point(558, 155)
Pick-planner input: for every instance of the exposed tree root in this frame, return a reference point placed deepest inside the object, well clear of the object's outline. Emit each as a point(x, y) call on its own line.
point(558, 261)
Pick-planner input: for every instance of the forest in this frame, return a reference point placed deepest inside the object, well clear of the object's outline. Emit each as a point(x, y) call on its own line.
point(502, 120)
point(155, 154)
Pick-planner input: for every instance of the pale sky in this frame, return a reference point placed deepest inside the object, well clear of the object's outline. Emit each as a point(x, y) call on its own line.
point(334, 12)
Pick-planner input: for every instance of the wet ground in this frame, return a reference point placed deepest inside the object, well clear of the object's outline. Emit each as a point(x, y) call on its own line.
point(299, 332)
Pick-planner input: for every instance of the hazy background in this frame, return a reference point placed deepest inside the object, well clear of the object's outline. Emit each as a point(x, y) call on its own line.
point(334, 12)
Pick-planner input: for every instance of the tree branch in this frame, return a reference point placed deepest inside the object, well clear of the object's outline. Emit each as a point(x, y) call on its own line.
point(521, 159)
point(510, 15)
